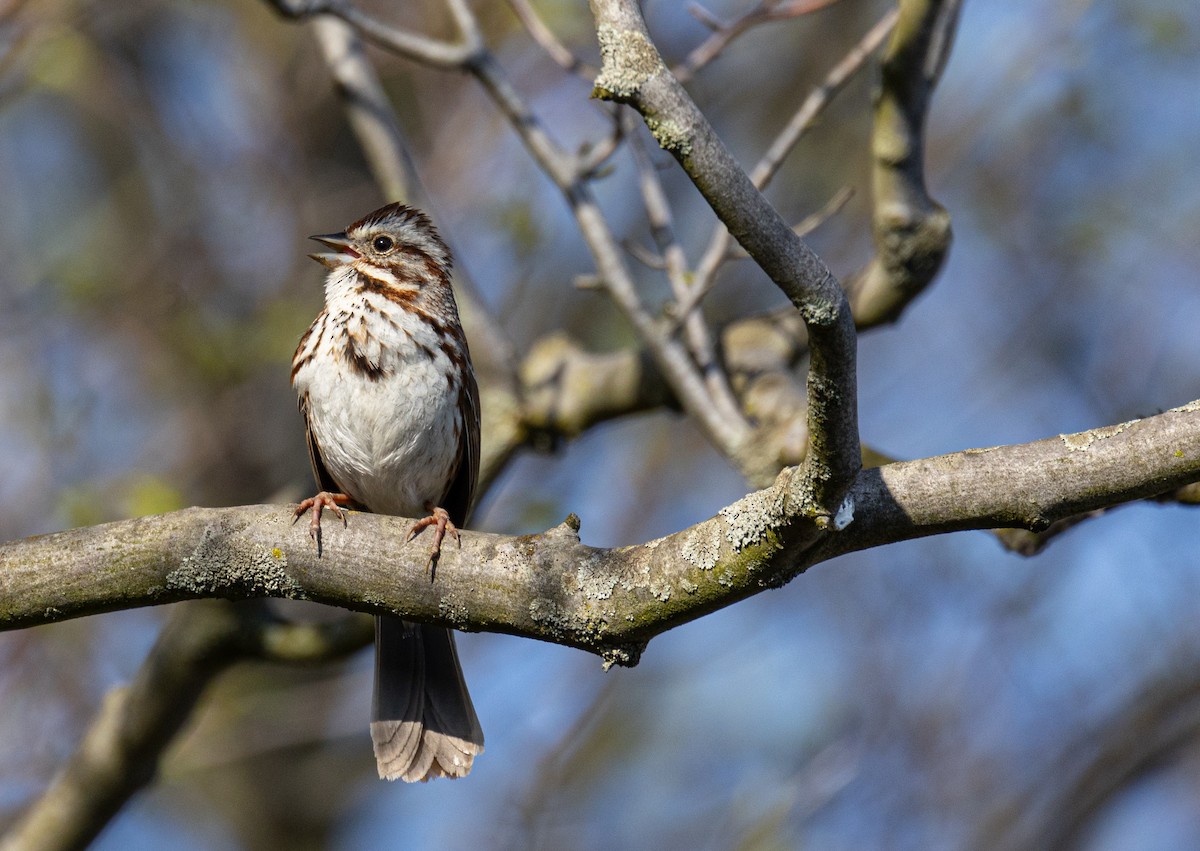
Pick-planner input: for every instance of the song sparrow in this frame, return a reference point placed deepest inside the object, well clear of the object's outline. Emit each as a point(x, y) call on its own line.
point(392, 412)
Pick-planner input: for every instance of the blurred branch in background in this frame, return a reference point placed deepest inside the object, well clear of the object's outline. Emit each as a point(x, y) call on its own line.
point(912, 231)
point(121, 750)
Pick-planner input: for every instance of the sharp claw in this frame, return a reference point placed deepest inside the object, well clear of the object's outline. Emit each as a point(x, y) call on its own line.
point(318, 504)
point(440, 519)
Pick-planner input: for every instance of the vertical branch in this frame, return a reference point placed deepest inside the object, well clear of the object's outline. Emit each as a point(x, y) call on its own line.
point(633, 72)
point(367, 107)
point(658, 211)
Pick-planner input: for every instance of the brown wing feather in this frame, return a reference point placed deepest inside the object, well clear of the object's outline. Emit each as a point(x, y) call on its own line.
point(459, 496)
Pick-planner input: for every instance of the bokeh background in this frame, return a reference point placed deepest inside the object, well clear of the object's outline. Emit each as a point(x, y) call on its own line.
point(161, 163)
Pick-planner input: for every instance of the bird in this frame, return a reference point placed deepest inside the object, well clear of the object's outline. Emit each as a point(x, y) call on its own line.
point(391, 411)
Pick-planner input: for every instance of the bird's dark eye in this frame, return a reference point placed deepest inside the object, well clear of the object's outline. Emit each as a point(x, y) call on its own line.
point(383, 244)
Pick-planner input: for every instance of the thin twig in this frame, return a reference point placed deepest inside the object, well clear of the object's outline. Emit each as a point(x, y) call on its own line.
point(591, 160)
point(801, 122)
point(806, 116)
point(549, 42)
point(419, 48)
point(702, 286)
point(699, 339)
point(724, 33)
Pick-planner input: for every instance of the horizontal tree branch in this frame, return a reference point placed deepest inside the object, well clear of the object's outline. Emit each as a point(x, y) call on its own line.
point(552, 586)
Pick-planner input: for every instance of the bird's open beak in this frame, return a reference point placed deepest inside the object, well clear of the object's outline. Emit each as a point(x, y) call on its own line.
point(342, 252)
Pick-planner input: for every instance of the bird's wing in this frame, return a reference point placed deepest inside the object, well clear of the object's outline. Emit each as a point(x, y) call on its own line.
point(459, 496)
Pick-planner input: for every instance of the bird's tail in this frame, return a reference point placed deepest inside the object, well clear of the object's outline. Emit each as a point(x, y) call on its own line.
point(423, 724)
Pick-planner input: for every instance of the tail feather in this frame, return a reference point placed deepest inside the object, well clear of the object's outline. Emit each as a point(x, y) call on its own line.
point(423, 724)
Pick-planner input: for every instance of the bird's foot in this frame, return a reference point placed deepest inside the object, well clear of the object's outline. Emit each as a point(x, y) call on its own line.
point(318, 503)
point(440, 519)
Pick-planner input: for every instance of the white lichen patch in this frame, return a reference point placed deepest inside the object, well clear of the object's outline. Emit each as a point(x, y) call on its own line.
point(703, 546)
point(221, 564)
point(1189, 408)
point(748, 519)
point(1082, 441)
point(454, 612)
point(594, 585)
point(671, 136)
point(543, 610)
point(845, 514)
point(660, 590)
point(651, 545)
point(688, 586)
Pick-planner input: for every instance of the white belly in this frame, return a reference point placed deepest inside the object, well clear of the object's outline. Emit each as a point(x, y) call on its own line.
point(391, 443)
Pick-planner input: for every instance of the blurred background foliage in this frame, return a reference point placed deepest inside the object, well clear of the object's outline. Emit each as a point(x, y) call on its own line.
point(161, 162)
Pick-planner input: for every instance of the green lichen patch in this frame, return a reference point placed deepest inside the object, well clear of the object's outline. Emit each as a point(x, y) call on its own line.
point(671, 136)
point(627, 60)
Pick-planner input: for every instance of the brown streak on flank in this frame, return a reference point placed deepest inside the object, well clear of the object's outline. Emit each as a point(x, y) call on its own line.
point(300, 358)
point(442, 330)
point(299, 364)
point(453, 353)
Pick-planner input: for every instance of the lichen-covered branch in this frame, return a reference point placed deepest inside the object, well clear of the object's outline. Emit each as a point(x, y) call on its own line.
point(554, 587)
point(1025, 486)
